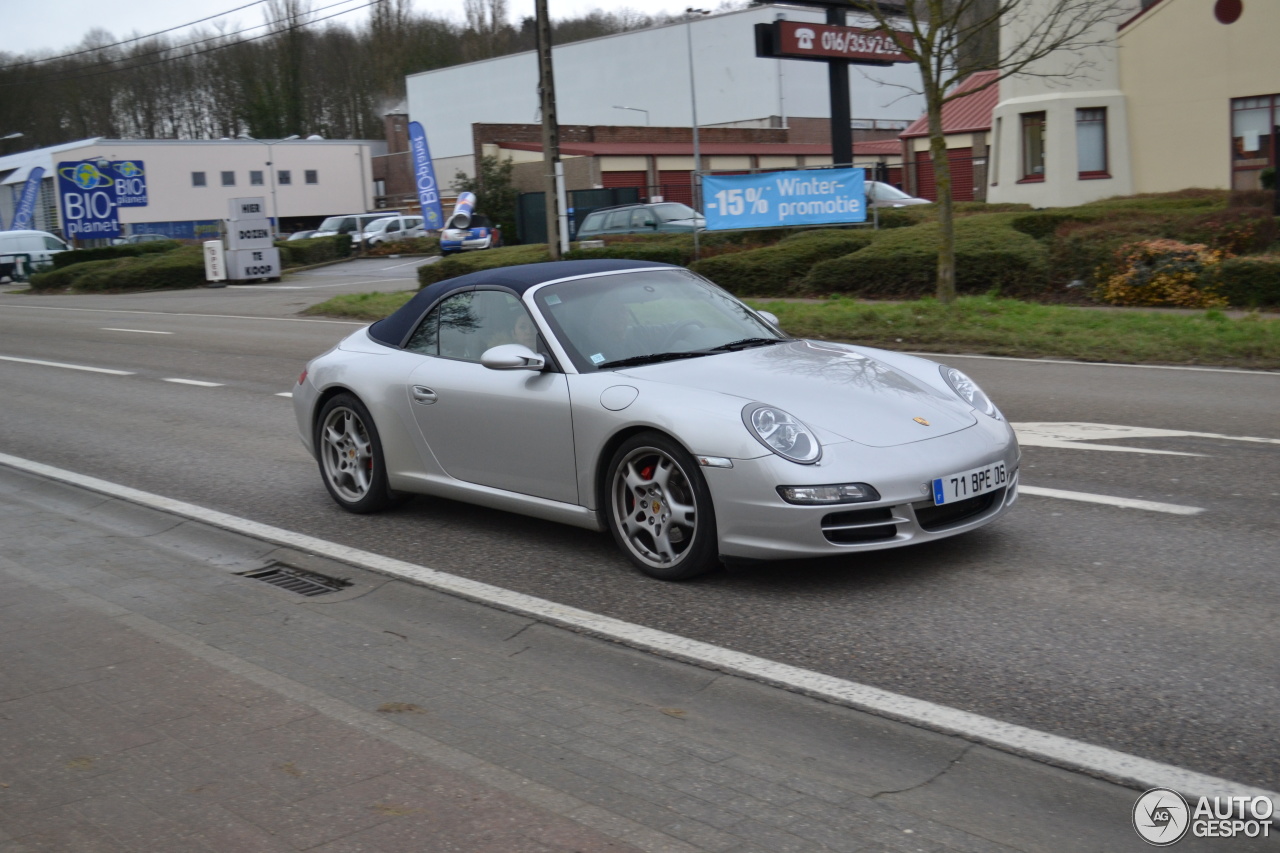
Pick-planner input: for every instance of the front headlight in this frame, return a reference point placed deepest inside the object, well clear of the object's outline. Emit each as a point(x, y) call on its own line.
point(966, 389)
point(782, 433)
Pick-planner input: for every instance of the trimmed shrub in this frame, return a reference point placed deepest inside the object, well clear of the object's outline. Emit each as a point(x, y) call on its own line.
point(661, 253)
point(127, 250)
point(461, 264)
point(180, 268)
point(1252, 282)
point(1236, 230)
point(1086, 251)
point(778, 269)
point(1042, 224)
point(903, 263)
point(317, 250)
point(1165, 273)
point(414, 246)
point(1192, 198)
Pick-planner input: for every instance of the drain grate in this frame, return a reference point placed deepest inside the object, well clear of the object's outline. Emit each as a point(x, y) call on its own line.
point(300, 581)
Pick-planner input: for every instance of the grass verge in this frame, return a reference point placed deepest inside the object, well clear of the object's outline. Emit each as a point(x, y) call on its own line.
point(990, 326)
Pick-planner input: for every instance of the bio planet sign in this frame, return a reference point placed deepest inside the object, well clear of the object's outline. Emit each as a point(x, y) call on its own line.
point(90, 191)
point(1163, 817)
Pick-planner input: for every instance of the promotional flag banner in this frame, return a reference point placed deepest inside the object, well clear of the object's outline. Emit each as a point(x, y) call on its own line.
point(27, 202)
point(425, 178)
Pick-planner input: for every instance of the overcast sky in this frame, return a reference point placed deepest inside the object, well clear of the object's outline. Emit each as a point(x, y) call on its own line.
point(59, 25)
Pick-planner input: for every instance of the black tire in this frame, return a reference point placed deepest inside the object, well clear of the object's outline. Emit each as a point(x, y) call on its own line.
point(349, 452)
point(659, 508)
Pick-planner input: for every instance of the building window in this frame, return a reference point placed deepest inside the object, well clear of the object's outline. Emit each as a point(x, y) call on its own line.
point(228, 179)
point(1033, 146)
point(1253, 126)
point(255, 179)
point(313, 177)
point(284, 177)
point(997, 140)
point(1091, 143)
point(198, 179)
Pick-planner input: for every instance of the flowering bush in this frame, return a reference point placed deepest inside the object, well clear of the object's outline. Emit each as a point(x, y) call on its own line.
point(1165, 272)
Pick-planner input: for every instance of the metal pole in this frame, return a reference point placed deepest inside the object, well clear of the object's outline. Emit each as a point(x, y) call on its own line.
point(696, 176)
point(550, 130)
point(841, 119)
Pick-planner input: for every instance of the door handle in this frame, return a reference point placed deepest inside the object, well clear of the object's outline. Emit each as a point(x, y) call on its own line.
point(423, 395)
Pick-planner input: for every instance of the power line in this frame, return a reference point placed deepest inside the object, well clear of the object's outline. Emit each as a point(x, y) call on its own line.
point(130, 40)
point(168, 48)
point(199, 52)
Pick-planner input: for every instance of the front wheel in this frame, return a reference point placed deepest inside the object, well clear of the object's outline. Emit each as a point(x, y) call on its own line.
point(350, 455)
point(659, 508)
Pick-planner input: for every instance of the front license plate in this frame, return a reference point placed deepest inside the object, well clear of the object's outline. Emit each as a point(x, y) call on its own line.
point(971, 483)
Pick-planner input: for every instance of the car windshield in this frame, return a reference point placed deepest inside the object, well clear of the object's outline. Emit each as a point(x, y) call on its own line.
point(672, 211)
point(647, 316)
point(337, 223)
point(885, 192)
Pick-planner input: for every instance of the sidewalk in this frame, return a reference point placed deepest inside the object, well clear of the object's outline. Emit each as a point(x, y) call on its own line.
point(152, 699)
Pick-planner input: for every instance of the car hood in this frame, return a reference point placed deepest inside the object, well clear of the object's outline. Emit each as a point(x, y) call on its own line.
point(831, 387)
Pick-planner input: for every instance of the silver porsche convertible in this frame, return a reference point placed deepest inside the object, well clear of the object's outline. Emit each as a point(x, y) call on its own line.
point(641, 398)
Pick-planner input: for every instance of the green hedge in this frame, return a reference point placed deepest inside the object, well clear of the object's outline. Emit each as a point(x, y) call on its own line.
point(318, 250)
point(1251, 282)
point(902, 263)
point(660, 253)
point(777, 270)
point(127, 250)
point(179, 268)
point(484, 259)
point(1086, 251)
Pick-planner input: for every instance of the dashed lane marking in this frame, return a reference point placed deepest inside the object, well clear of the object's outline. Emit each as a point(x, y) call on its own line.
point(1126, 503)
point(66, 366)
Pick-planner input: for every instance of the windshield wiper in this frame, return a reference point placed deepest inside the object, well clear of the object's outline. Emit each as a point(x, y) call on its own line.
point(746, 343)
point(652, 358)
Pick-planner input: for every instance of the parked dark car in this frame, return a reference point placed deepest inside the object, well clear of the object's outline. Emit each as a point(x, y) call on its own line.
point(657, 217)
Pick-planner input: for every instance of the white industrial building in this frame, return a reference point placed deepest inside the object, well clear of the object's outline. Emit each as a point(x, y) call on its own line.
point(190, 182)
point(646, 77)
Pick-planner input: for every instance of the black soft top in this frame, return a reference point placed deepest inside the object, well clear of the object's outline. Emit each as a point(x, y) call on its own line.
point(395, 328)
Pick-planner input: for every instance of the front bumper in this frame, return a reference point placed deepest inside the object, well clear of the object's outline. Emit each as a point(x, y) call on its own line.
point(754, 522)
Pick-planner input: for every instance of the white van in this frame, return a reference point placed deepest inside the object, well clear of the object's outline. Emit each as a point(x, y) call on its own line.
point(390, 229)
point(25, 252)
point(350, 223)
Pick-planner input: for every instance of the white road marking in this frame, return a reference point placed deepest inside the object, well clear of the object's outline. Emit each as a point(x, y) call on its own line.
point(1127, 503)
point(937, 356)
point(1071, 435)
point(186, 314)
point(66, 366)
point(195, 382)
point(285, 394)
point(136, 331)
point(1110, 764)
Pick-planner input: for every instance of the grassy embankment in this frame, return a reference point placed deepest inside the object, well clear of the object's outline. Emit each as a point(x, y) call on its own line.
point(990, 326)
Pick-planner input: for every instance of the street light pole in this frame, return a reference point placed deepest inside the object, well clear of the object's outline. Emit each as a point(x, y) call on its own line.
point(275, 210)
point(637, 109)
point(693, 102)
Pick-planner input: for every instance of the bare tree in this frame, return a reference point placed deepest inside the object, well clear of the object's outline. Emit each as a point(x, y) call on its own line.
point(947, 34)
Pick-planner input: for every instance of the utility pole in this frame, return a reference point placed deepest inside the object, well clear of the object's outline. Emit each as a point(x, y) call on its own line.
point(550, 133)
point(841, 111)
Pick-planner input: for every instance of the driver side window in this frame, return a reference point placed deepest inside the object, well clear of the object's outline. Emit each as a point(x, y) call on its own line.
point(465, 325)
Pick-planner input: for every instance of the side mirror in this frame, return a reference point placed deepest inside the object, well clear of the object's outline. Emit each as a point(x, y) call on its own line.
point(769, 318)
point(512, 357)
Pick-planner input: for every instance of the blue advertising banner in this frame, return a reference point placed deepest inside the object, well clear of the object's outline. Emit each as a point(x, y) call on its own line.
point(26, 208)
point(425, 178)
point(131, 183)
point(88, 200)
point(775, 199)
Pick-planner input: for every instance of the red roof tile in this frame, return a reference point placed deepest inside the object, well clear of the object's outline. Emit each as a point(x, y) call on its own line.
point(966, 113)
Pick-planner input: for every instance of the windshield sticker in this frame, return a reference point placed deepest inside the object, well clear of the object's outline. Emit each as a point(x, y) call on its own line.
point(553, 300)
point(597, 358)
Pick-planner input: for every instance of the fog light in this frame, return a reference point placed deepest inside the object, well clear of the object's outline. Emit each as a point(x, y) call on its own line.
point(846, 493)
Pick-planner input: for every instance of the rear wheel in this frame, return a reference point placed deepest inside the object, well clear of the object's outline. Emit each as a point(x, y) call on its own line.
point(659, 508)
point(350, 455)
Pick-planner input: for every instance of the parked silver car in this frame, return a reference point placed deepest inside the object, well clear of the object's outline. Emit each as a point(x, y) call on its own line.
point(641, 398)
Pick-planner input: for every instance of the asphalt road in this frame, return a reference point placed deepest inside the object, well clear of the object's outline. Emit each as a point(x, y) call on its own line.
point(1140, 629)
